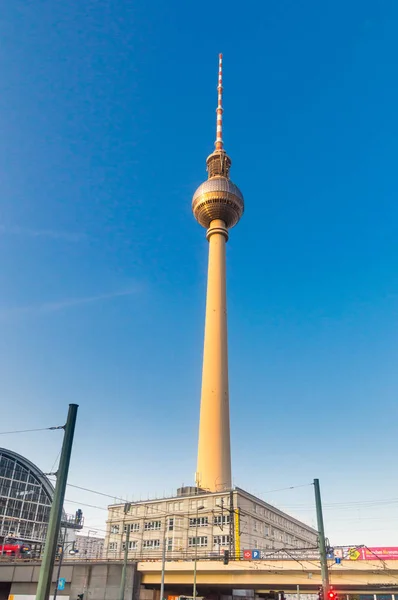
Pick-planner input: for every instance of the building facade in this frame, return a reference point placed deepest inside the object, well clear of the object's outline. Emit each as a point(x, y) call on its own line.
point(89, 546)
point(204, 524)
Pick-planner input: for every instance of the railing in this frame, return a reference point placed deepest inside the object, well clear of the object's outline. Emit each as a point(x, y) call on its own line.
point(186, 556)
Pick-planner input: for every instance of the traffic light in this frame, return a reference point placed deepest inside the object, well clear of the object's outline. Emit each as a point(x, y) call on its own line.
point(226, 557)
point(331, 595)
point(320, 593)
point(80, 596)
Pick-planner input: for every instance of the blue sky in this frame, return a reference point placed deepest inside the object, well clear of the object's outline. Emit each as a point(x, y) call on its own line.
point(107, 114)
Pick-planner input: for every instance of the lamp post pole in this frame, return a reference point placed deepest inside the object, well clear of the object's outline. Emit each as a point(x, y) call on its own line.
point(163, 560)
point(60, 564)
point(196, 551)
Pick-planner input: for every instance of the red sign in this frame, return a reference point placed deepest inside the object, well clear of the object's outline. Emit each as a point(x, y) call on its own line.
point(382, 553)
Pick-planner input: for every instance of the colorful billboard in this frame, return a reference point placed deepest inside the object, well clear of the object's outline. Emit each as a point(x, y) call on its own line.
point(374, 553)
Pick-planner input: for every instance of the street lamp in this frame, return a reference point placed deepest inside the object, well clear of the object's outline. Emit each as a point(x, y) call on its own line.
point(62, 550)
point(196, 550)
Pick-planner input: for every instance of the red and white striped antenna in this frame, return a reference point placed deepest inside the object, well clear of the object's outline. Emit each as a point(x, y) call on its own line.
point(219, 141)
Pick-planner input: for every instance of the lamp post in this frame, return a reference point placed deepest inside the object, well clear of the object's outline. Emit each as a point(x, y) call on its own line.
point(196, 551)
point(61, 556)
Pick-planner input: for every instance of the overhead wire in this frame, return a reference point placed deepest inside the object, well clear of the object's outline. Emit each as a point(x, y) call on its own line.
point(32, 430)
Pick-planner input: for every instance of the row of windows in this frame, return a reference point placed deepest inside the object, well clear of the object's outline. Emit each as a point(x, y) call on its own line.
point(152, 525)
point(172, 523)
point(175, 506)
point(267, 531)
point(287, 524)
point(293, 542)
point(202, 541)
point(221, 540)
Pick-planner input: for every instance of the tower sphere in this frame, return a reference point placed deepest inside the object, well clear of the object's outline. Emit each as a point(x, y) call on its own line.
point(218, 198)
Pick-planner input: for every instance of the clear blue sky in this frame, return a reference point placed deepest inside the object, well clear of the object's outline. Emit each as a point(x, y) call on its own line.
point(107, 114)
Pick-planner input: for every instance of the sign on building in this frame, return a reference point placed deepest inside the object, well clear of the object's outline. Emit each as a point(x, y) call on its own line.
point(61, 583)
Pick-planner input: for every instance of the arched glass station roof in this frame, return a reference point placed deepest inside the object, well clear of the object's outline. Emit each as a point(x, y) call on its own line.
point(25, 498)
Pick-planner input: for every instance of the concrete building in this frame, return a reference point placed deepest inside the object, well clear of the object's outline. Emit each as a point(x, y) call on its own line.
point(89, 546)
point(204, 524)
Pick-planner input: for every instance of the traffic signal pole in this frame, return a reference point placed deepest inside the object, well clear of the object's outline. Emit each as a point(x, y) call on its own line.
point(47, 564)
point(321, 537)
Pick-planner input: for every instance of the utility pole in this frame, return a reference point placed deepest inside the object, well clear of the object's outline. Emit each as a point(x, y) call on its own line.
point(163, 561)
point(198, 508)
point(126, 554)
point(47, 564)
point(231, 525)
point(321, 536)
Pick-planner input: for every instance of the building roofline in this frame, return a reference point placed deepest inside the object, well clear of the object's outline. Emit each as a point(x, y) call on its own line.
point(170, 498)
point(236, 489)
point(277, 510)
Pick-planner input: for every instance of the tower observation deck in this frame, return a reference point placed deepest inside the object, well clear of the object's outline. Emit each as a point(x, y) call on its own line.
point(217, 205)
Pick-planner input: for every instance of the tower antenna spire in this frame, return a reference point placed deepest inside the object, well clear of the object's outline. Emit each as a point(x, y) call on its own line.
point(219, 141)
point(217, 205)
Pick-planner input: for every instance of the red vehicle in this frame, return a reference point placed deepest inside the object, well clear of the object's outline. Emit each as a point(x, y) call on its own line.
point(14, 548)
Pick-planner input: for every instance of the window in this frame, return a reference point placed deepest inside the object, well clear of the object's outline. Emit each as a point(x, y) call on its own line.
point(255, 544)
point(221, 540)
point(255, 525)
point(171, 524)
point(221, 520)
point(114, 528)
point(199, 522)
point(151, 544)
point(132, 546)
point(169, 542)
point(133, 527)
point(266, 530)
point(151, 525)
point(113, 546)
point(197, 541)
point(255, 508)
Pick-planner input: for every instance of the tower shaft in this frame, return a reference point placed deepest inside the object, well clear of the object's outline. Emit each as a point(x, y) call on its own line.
point(214, 451)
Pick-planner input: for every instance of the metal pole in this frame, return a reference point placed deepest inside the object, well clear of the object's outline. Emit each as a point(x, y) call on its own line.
point(196, 554)
point(231, 526)
point(126, 554)
point(60, 565)
point(47, 565)
point(298, 592)
point(163, 561)
point(321, 535)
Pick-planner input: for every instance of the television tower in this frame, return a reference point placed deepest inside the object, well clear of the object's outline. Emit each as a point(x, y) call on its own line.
point(217, 205)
